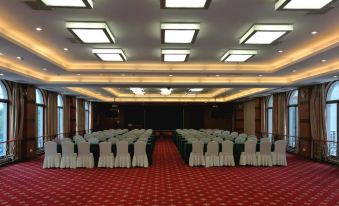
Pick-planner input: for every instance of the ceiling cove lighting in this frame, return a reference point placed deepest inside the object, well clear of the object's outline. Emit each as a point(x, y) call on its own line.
point(69, 3)
point(113, 55)
point(166, 91)
point(179, 33)
point(185, 4)
point(238, 55)
point(301, 4)
point(91, 32)
point(265, 34)
point(174, 55)
point(196, 90)
point(137, 91)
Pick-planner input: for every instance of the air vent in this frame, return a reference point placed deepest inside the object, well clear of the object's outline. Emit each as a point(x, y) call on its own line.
point(37, 5)
point(321, 11)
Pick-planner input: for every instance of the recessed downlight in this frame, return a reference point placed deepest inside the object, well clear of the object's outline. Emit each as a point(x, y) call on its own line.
point(38, 28)
point(19, 58)
point(323, 60)
point(280, 51)
point(65, 49)
point(314, 32)
point(45, 69)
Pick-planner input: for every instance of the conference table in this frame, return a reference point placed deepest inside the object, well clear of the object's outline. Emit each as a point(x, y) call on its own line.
point(94, 148)
point(185, 148)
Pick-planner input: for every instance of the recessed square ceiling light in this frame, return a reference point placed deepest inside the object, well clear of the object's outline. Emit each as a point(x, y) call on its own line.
point(137, 91)
point(301, 4)
point(179, 33)
point(190, 4)
point(196, 89)
point(91, 32)
point(116, 55)
point(69, 3)
point(166, 91)
point(175, 55)
point(265, 34)
point(238, 55)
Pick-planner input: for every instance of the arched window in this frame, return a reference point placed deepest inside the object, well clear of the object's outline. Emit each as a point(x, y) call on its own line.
point(60, 116)
point(87, 116)
point(3, 119)
point(269, 112)
point(332, 121)
point(40, 112)
point(293, 129)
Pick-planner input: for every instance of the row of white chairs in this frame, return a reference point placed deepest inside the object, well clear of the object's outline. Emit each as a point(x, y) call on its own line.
point(264, 157)
point(84, 158)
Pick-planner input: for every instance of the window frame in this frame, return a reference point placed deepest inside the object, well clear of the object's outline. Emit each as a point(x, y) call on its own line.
point(6, 101)
point(60, 133)
point(269, 107)
point(296, 126)
point(43, 106)
point(87, 111)
point(328, 102)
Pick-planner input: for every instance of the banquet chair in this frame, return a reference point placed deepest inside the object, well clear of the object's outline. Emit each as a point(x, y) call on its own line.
point(140, 157)
point(248, 157)
point(205, 139)
point(93, 140)
point(68, 158)
point(264, 157)
point(218, 139)
point(279, 154)
point(123, 158)
point(197, 155)
point(65, 139)
point(85, 157)
point(212, 154)
point(226, 155)
point(264, 139)
point(106, 158)
point(52, 158)
point(240, 140)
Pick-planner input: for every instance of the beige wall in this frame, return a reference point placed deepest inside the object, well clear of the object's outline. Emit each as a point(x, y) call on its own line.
point(249, 117)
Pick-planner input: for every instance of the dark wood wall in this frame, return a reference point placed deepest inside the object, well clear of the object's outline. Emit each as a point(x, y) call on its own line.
point(162, 116)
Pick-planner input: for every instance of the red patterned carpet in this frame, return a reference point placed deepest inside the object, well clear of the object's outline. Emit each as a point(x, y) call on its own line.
point(170, 182)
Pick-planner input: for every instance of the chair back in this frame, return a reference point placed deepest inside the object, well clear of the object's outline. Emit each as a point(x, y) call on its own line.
point(250, 147)
point(140, 148)
point(93, 140)
point(213, 148)
point(205, 139)
point(218, 139)
point(243, 135)
point(198, 147)
point(65, 139)
point(50, 148)
point(280, 147)
point(265, 139)
point(122, 148)
point(113, 140)
point(227, 147)
point(234, 134)
point(240, 140)
point(105, 148)
point(129, 139)
point(83, 148)
point(67, 148)
point(265, 148)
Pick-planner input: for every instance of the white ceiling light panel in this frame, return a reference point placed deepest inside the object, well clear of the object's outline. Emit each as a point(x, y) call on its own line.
point(69, 3)
point(265, 34)
point(179, 33)
point(175, 55)
point(188, 4)
point(116, 55)
point(91, 32)
point(238, 55)
point(301, 4)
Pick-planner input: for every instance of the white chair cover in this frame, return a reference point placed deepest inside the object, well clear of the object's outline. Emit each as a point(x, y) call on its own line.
point(248, 157)
point(106, 158)
point(197, 155)
point(52, 158)
point(69, 158)
point(113, 140)
point(264, 139)
point(140, 157)
point(212, 154)
point(264, 157)
point(240, 140)
point(226, 156)
point(65, 139)
point(93, 140)
point(123, 159)
point(279, 154)
point(85, 157)
point(218, 139)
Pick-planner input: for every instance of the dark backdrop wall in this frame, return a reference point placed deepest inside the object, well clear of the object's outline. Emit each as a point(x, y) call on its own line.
point(161, 116)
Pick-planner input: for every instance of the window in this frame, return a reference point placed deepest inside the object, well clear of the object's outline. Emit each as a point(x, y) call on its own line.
point(40, 109)
point(293, 120)
point(269, 117)
point(332, 115)
point(3, 119)
point(60, 116)
point(87, 116)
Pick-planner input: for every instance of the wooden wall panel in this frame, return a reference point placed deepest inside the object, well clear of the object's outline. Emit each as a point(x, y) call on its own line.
point(258, 117)
point(239, 117)
point(304, 122)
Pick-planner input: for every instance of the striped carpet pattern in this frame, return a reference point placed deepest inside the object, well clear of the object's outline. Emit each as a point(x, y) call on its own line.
point(171, 182)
